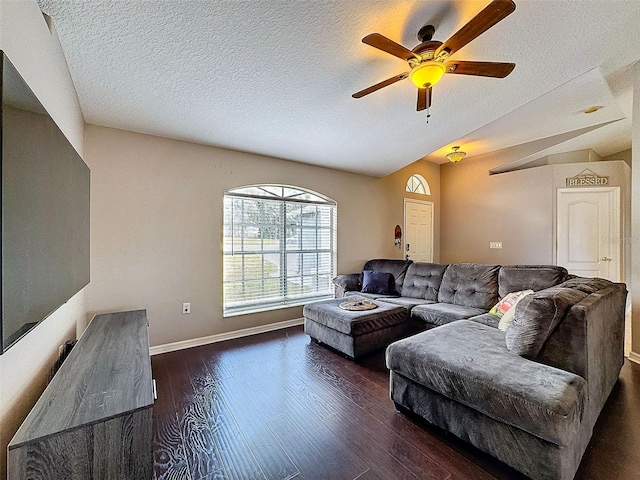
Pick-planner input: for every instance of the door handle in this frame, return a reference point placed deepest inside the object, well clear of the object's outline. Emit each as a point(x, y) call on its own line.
point(606, 259)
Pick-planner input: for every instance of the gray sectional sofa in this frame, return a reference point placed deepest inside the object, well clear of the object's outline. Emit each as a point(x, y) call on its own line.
point(530, 396)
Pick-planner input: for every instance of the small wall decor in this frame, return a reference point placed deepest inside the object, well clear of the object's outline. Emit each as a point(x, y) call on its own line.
point(398, 234)
point(587, 178)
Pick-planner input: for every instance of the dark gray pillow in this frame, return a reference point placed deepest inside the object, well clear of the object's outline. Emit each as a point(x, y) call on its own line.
point(537, 315)
point(382, 283)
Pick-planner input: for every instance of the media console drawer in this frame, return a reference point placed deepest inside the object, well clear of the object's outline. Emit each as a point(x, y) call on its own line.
point(94, 420)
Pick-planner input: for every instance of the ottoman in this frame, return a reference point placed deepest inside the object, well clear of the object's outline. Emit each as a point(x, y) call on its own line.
point(355, 333)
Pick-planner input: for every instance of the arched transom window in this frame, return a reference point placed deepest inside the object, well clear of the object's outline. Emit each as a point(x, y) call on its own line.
point(279, 247)
point(418, 184)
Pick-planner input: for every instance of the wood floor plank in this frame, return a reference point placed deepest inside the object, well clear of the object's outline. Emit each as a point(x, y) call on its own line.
point(392, 449)
point(314, 459)
point(169, 456)
point(307, 417)
point(238, 458)
point(353, 386)
point(201, 445)
point(274, 461)
point(352, 423)
point(202, 451)
point(431, 445)
point(170, 462)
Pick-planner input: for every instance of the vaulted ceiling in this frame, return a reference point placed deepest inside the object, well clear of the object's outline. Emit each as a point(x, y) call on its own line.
point(276, 77)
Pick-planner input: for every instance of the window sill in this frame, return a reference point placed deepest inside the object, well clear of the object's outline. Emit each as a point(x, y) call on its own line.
point(270, 307)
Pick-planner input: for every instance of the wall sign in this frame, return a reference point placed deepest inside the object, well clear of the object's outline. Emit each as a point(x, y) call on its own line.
point(587, 178)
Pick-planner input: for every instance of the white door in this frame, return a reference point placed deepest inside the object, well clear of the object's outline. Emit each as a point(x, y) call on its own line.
point(588, 235)
point(418, 228)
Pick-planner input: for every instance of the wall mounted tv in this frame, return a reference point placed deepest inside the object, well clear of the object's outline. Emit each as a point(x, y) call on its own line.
point(45, 211)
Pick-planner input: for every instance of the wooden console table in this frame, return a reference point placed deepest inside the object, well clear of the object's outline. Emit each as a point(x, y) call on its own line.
point(94, 420)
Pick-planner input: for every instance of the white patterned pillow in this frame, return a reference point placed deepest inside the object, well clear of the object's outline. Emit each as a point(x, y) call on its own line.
point(509, 301)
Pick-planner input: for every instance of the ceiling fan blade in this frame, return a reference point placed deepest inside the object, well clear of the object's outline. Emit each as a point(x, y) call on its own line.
point(487, 18)
point(380, 85)
point(424, 98)
point(383, 43)
point(481, 69)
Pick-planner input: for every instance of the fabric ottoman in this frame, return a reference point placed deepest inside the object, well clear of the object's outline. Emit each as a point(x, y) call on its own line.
point(355, 333)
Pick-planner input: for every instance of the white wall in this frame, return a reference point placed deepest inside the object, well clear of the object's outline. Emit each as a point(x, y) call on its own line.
point(156, 223)
point(36, 54)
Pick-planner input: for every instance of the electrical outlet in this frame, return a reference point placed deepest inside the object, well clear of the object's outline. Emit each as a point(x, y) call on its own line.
point(495, 244)
point(186, 308)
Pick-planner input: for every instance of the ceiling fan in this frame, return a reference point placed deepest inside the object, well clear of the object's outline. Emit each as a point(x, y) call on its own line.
point(429, 60)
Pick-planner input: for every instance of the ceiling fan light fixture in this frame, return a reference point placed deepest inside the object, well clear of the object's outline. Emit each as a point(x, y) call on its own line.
point(427, 74)
point(456, 155)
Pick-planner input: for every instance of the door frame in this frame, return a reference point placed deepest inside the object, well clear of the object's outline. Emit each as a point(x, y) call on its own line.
point(615, 222)
point(404, 214)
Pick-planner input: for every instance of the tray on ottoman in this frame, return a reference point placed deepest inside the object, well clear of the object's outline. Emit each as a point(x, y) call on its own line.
point(355, 333)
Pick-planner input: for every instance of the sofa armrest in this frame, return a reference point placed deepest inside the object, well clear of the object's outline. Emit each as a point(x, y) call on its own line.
point(348, 282)
point(590, 342)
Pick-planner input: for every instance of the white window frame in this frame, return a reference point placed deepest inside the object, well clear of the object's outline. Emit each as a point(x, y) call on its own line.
point(285, 196)
point(417, 184)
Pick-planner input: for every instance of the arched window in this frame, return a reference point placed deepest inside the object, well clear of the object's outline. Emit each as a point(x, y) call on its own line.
point(418, 184)
point(279, 247)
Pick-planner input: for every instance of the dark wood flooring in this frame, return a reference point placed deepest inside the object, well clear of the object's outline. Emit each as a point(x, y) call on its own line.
point(278, 406)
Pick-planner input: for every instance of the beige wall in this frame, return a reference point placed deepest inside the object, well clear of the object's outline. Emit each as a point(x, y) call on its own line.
point(395, 185)
point(156, 225)
point(635, 218)
point(624, 155)
point(515, 208)
point(36, 54)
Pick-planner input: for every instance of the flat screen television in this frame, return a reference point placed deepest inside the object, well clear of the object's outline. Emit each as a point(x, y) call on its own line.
point(45, 211)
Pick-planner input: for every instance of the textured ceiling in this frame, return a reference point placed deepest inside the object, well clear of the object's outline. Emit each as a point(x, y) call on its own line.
point(276, 77)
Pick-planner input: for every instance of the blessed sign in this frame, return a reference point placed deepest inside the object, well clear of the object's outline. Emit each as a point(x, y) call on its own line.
point(587, 179)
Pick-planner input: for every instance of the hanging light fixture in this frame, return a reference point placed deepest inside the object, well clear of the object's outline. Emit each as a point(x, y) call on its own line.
point(427, 74)
point(456, 155)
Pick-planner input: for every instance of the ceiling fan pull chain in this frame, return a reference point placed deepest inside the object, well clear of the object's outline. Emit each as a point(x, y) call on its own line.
point(428, 114)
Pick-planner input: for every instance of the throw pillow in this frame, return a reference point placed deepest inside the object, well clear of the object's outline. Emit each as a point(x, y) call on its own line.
point(537, 316)
point(509, 301)
point(507, 318)
point(382, 283)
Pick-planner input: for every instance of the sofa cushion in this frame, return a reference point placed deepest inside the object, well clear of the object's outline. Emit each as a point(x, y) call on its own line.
point(513, 278)
point(470, 285)
point(397, 268)
point(423, 280)
point(378, 282)
point(469, 363)
point(537, 315)
point(442, 313)
point(486, 319)
point(370, 296)
point(354, 323)
point(407, 302)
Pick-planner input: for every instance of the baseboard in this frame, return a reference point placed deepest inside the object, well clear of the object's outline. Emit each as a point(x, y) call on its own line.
point(634, 357)
point(221, 337)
